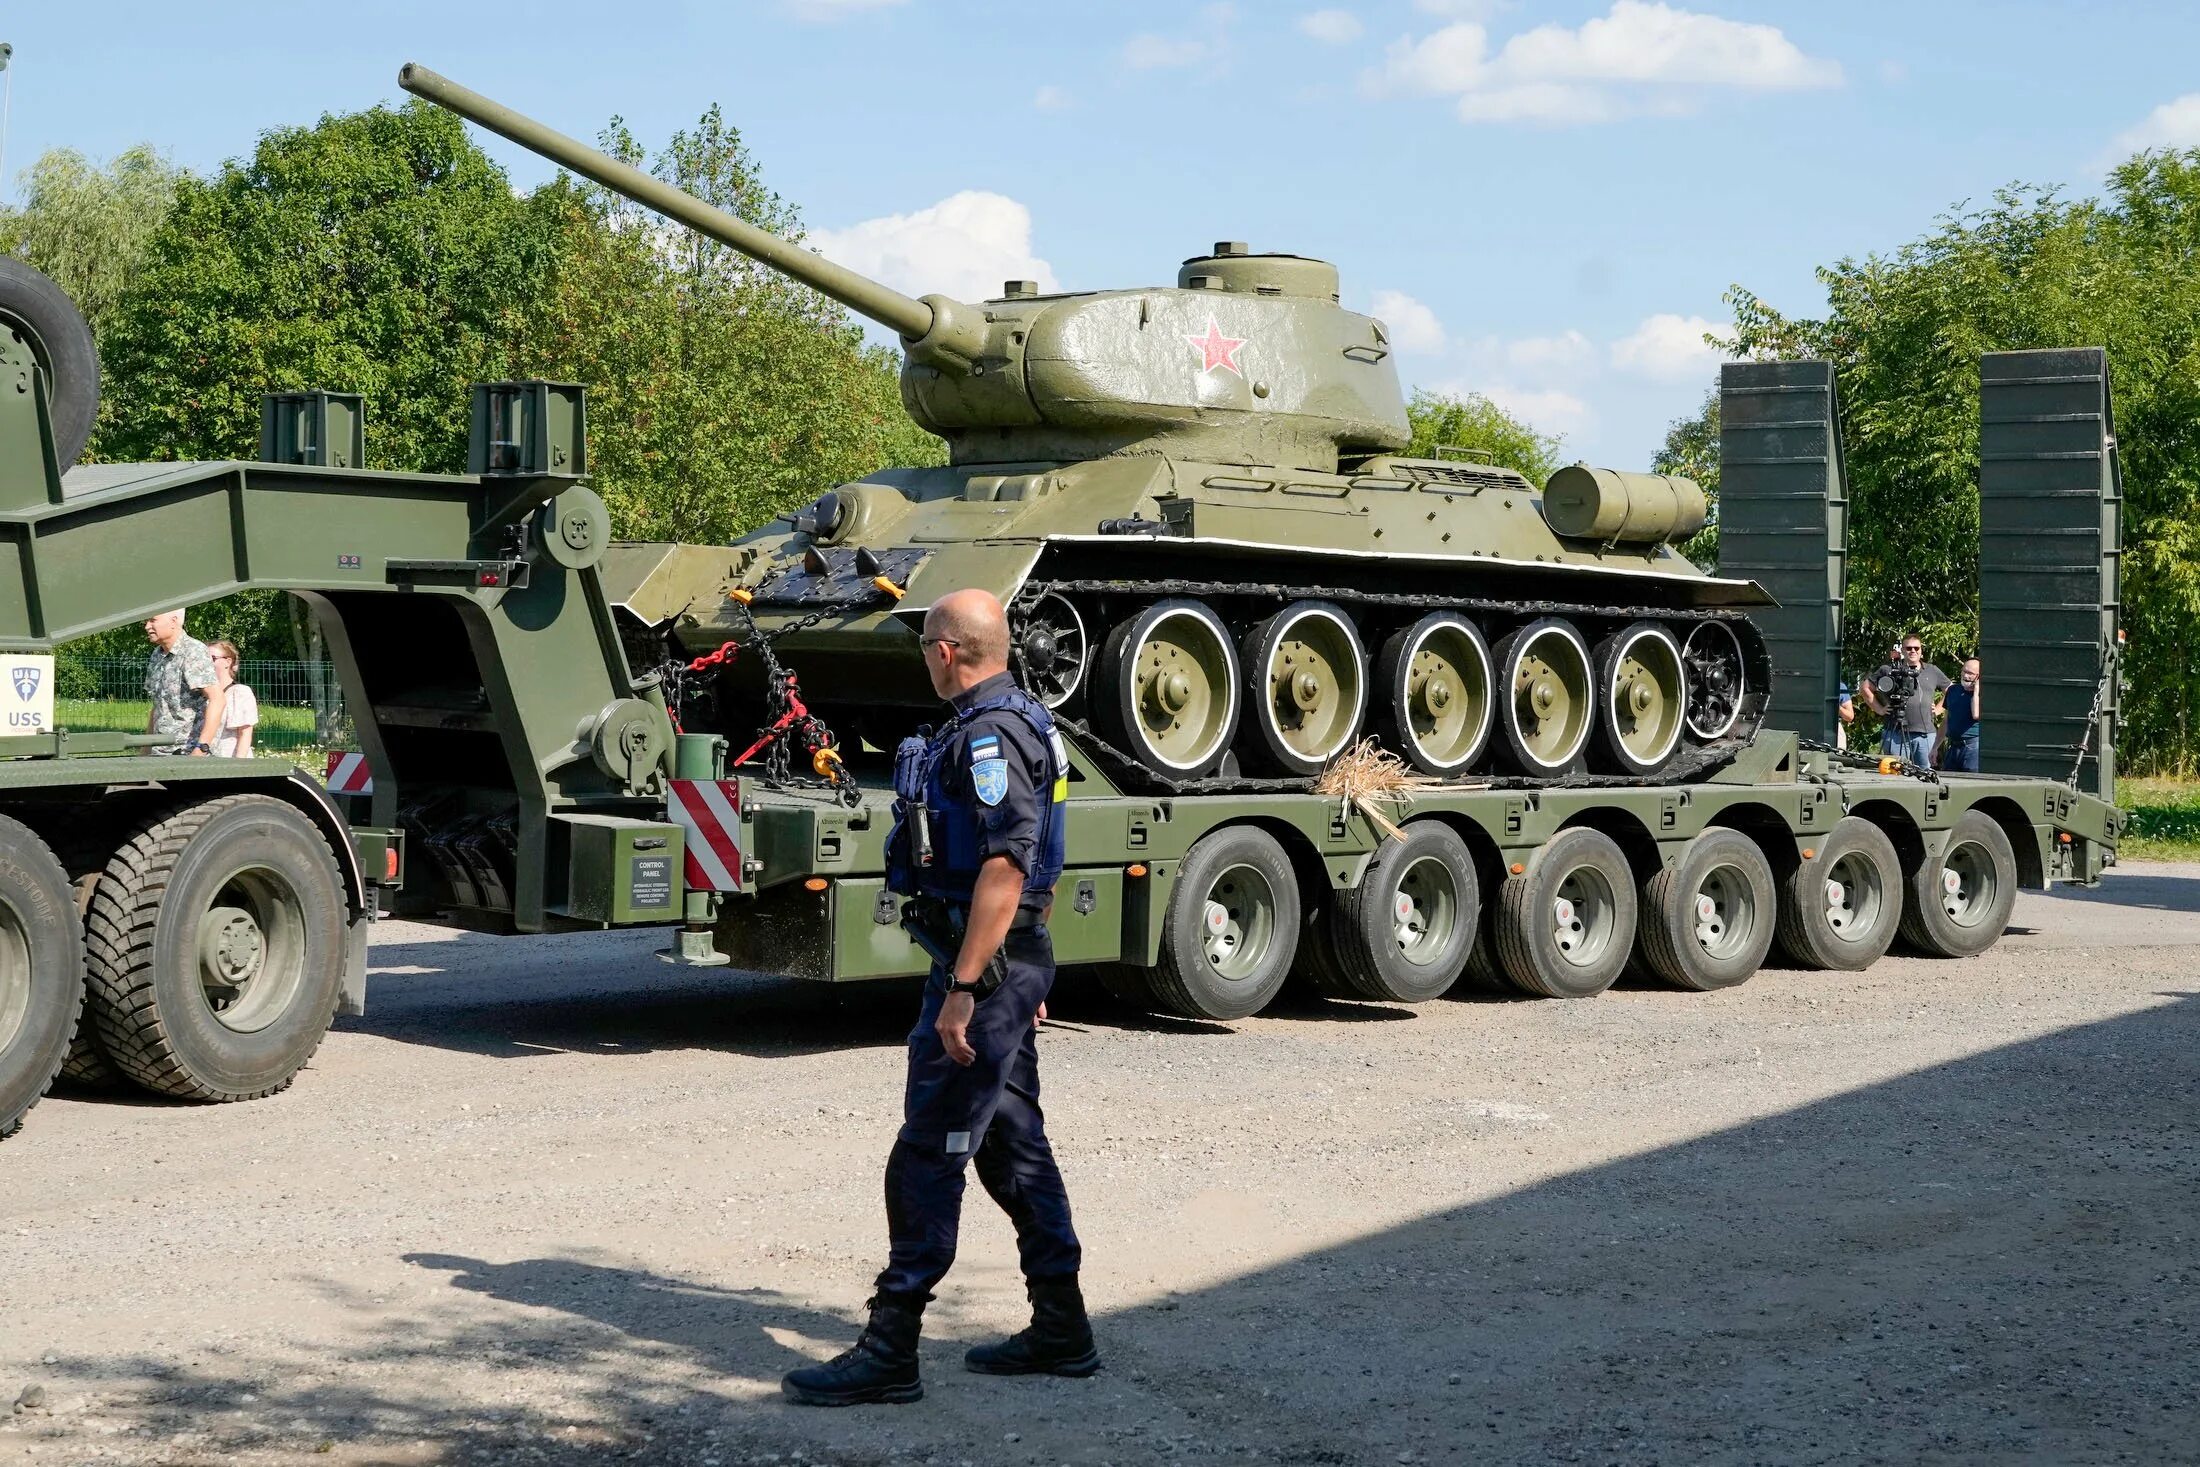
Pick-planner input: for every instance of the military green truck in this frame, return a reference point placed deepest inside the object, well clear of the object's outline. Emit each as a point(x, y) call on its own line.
point(1223, 577)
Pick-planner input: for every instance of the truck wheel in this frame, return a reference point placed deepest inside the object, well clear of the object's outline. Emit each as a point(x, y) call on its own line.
point(216, 946)
point(1959, 904)
point(1317, 966)
point(1126, 984)
point(1231, 928)
point(1707, 919)
point(1403, 934)
point(41, 313)
point(41, 970)
point(1840, 908)
point(87, 1067)
point(1566, 925)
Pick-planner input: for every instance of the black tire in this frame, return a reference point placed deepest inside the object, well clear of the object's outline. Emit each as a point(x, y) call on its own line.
point(1857, 854)
point(1586, 870)
point(1230, 969)
point(258, 869)
point(1698, 949)
point(38, 310)
point(87, 1067)
point(41, 971)
point(1959, 903)
point(1395, 954)
point(1126, 984)
point(1316, 968)
point(1554, 747)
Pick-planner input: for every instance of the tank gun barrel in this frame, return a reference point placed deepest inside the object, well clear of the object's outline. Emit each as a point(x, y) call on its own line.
point(940, 332)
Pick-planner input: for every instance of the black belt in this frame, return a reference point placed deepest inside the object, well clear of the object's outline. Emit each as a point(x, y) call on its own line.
point(1024, 920)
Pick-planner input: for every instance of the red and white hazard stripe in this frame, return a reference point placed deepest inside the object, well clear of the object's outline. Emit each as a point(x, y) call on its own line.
point(709, 812)
point(348, 774)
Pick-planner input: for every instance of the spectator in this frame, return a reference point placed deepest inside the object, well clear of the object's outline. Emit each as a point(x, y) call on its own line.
point(1847, 711)
point(240, 709)
point(180, 680)
point(1960, 750)
point(1908, 729)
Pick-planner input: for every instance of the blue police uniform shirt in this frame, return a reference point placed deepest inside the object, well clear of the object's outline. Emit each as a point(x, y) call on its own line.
point(1960, 702)
point(999, 784)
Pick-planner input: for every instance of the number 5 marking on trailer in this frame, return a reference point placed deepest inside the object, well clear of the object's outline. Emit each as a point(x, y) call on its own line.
point(709, 812)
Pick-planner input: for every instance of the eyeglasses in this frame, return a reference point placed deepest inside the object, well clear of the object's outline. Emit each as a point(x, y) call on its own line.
point(928, 643)
point(223, 657)
point(1913, 647)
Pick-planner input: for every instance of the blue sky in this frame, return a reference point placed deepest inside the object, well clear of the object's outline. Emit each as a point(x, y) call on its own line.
point(1547, 201)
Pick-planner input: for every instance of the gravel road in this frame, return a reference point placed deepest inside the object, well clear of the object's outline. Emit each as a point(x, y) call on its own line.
point(554, 1202)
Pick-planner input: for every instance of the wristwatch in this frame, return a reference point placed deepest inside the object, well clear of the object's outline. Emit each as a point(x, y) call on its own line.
point(981, 988)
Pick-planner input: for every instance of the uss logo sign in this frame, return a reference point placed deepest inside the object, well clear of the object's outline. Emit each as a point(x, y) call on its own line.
point(28, 692)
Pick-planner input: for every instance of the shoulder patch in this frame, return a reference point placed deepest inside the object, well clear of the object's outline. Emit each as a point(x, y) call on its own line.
point(989, 780)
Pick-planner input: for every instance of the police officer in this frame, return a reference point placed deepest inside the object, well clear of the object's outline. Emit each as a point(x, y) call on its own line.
point(978, 842)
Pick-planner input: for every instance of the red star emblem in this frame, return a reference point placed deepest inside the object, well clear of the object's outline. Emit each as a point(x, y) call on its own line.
point(1215, 349)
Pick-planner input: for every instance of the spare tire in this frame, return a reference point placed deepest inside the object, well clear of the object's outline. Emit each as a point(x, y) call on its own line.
point(40, 314)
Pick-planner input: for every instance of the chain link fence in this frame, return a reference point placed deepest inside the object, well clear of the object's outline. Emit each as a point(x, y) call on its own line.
point(301, 703)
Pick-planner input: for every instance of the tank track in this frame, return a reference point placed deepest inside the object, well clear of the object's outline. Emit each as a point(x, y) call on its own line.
point(1693, 762)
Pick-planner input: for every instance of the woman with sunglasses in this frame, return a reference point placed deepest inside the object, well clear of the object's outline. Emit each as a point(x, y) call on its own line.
point(241, 713)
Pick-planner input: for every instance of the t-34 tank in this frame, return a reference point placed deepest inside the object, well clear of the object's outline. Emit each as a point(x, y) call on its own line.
point(1218, 564)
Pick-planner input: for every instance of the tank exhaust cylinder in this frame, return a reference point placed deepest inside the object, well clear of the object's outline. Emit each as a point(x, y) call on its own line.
point(942, 333)
point(1611, 506)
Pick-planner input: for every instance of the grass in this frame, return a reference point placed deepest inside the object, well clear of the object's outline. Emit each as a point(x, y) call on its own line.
point(283, 731)
point(2165, 819)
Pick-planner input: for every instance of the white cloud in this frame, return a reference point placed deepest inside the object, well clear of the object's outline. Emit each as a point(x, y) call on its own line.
point(1631, 61)
point(963, 246)
point(1569, 351)
point(1331, 27)
point(817, 11)
point(1050, 98)
point(1146, 52)
point(1668, 348)
point(1459, 9)
point(1547, 410)
point(1413, 326)
point(2172, 125)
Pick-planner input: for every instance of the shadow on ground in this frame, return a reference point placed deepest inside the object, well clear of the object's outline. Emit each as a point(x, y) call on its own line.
point(1986, 1261)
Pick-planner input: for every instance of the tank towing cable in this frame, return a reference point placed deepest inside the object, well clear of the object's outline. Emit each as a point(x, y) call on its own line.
point(791, 721)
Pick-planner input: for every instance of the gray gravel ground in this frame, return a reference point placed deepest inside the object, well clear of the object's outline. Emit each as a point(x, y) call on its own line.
point(554, 1202)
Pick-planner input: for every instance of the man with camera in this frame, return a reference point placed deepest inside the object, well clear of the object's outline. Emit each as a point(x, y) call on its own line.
point(1906, 692)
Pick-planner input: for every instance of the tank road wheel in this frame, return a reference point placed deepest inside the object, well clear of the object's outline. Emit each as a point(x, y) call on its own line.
point(1403, 934)
point(1173, 700)
point(1566, 924)
point(38, 313)
point(1959, 904)
point(41, 970)
point(1641, 699)
point(1548, 699)
point(1707, 920)
point(1435, 711)
point(1841, 907)
point(1055, 650)
point(1306, 684)
point(1716, 678)
point(216, 944)
point(1232, 926)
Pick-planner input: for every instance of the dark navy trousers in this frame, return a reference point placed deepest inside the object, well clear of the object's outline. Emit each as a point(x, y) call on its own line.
point(987, 1112)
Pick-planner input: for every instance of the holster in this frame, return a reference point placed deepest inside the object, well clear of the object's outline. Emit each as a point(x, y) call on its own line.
point(937, 928)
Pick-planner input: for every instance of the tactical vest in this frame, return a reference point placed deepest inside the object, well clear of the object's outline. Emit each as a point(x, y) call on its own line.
point(920, 770)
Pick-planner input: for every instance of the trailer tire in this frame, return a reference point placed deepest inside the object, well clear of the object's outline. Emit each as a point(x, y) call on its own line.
point(1317, 965)
point(1958, 904)
point(1126, 984)
point(41, 971)
point(1232, 926)
point(1706, 921)
point(87, 1067)
point(1402, 935)
point(1566, 925)
point(216, 949)
point(1851, 930)
point(35, 307)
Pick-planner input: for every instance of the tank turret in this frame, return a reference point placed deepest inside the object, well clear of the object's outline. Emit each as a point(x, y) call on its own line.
point(1217, 562)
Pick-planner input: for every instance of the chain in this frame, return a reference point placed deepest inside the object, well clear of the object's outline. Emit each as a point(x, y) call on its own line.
point(790, 721)
point(2093, 720)
point(1851, 759)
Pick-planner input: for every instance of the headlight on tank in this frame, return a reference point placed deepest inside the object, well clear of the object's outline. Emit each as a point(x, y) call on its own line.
point(825, 517)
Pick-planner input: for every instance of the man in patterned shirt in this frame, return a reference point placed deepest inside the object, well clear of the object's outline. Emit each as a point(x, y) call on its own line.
point(187, 695)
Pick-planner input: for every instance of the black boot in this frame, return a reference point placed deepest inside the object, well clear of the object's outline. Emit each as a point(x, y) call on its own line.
point(1059, 1341)
point(880, 1367)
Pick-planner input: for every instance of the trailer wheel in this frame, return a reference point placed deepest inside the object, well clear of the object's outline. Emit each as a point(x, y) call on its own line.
point(1566, 925)
point(1840, 908)
point(216, 946)
point(41, 971)
point(1232, 926)
point(1316, 964)
point(1403, 934)
point(1959, 904)
point(1126, 984)
point(1707, 920)
point(40, 313)
point(87, 1067)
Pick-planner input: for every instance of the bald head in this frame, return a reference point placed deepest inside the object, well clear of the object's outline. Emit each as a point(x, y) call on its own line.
point(966, 640)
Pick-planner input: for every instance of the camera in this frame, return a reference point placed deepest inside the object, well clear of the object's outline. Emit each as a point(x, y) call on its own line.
point(1896, 686)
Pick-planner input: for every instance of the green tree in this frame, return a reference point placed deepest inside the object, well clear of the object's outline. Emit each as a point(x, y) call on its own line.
point(88, 226)
point(1443, 420)
point(1691, 450)
point(721, 392)
point(1905, 332)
